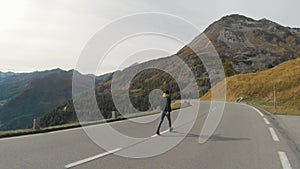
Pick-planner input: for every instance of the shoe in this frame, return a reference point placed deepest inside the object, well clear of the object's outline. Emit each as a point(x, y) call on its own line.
point(171, 129)
point(158, 133)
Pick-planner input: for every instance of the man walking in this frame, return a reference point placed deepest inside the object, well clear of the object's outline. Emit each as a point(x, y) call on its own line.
point(165, 111)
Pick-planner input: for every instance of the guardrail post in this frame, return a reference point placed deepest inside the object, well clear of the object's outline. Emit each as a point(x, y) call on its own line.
point(113, 115)
point(275, 93)
point(34, 123)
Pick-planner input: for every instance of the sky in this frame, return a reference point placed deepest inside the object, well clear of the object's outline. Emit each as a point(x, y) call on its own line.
point(47, 34)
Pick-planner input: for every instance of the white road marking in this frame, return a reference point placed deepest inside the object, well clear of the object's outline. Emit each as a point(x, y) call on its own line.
point(266, 121)
point(100, 155)
point(160, 133)
point(20, 137)
point(66, 130)
point(52, 132)
point(258, 111)
point(282, 155)
point(284, 160)
point(154, 135)
point(91, 158)
point(164, 131)
point(273, 133)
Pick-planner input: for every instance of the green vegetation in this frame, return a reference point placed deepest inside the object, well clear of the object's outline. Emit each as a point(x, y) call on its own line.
point(258, 88)
point(229, 71)
point(17, 132)
point(40, 97)
point(2, 102)
point(148, 80)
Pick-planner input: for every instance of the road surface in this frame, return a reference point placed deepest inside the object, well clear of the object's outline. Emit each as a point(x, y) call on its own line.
point(246, 138)
point(291, 124)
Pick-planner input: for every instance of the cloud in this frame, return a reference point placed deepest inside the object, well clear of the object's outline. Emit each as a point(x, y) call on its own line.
point(42, 34)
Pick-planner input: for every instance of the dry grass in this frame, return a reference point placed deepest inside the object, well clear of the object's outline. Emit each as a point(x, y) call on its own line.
point(176, 106)
point(257, 88)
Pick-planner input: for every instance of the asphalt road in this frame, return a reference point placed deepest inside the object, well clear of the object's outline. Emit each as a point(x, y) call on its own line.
point(292, 125)
point(246, 138)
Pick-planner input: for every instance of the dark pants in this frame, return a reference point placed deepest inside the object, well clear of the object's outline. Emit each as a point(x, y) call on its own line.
point(163, 114)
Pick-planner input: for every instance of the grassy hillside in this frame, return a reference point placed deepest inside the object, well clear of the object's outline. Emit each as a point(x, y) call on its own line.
point(257, 88)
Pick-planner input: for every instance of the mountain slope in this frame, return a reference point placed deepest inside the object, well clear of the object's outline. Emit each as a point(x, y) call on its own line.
point(257, 88)
point(245, 45)
point(11, 84)
point(39, 97)
point(35, 94)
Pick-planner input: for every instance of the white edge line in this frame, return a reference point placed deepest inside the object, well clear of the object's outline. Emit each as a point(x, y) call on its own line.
point(258, 111)
point(50, 133)
point(266, 121)
point(284, 160)
point(91, 158)
point(64, 130)
point(274, 135)
point(20, 137)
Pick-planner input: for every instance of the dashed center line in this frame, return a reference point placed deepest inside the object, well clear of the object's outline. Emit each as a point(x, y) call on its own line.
point(100, 155)
point(284, 160)
point(273, 134)
point(91, 158)
point(282, 155)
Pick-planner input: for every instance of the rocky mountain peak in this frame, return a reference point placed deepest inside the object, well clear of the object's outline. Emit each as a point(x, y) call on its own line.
point(235, 18)
point(249, 45)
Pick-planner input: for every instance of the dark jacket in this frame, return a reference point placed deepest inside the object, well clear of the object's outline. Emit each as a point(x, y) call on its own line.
point(167, 104)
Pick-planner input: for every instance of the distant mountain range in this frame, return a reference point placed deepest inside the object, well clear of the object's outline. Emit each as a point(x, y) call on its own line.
point(244, 45)
point(6, 74)
point(11, 83)
point(25, 96)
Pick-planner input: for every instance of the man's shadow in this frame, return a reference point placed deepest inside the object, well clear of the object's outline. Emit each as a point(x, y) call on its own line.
point(211, 138)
